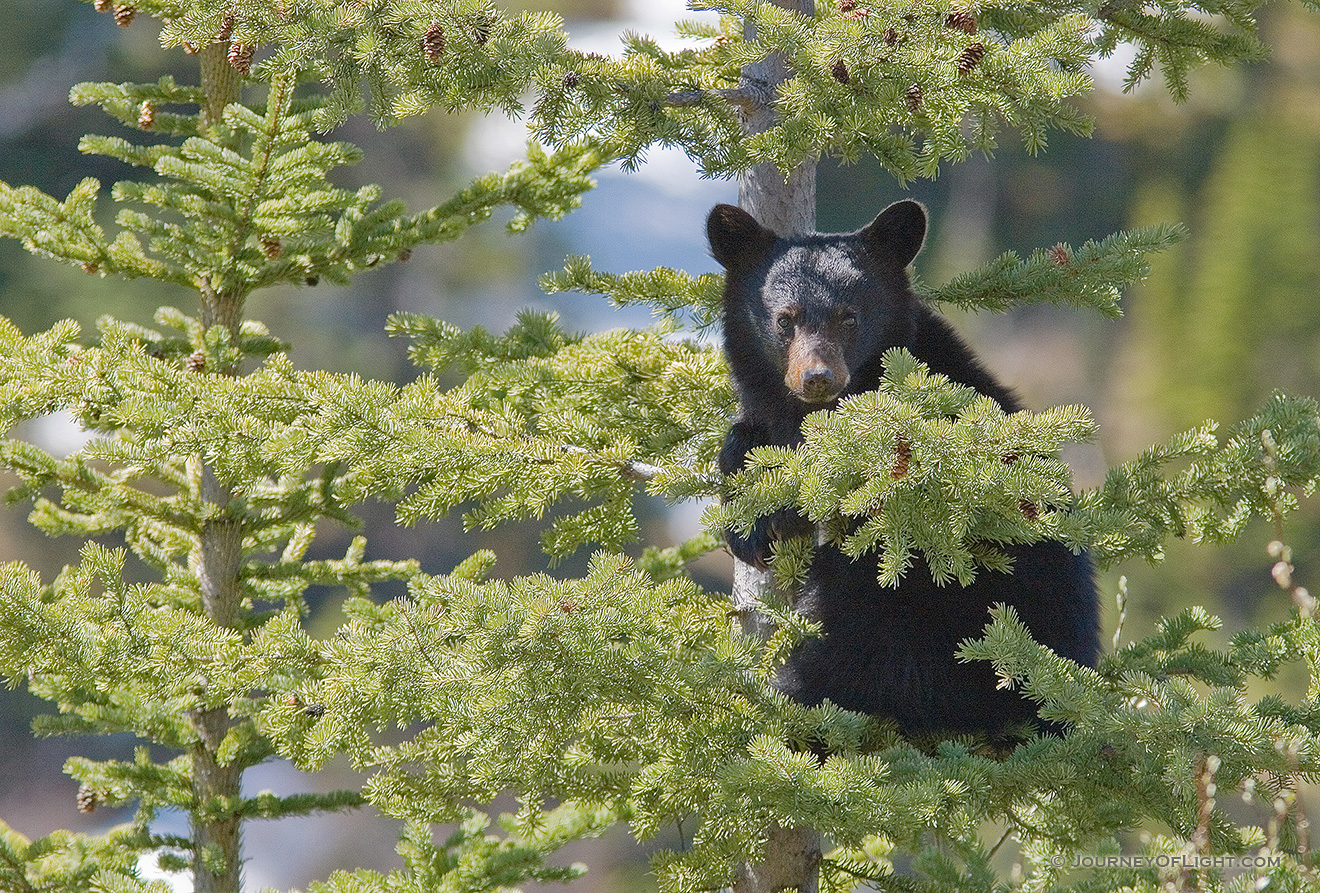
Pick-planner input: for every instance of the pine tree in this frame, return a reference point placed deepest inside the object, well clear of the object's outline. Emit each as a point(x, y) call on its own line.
point(623, 696)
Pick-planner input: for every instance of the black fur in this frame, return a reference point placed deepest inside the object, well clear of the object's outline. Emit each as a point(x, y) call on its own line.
point(806, 321)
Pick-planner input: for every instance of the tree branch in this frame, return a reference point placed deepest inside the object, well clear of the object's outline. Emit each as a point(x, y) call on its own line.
point(750, 97)
point(630, 469)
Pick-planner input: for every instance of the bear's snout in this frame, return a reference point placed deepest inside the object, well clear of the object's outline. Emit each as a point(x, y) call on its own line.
point(816, 372)
point(819, 384)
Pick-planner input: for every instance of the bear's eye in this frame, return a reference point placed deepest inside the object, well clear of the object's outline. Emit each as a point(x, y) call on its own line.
point(849, 321)
point(785, 323)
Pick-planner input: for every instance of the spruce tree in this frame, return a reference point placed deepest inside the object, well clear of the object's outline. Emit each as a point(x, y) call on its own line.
point(625, 695)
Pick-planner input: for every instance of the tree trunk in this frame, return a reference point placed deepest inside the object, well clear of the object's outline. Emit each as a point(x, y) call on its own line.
point(792, 859)
point(785, 207)
point(216, 831)
point(221, 83)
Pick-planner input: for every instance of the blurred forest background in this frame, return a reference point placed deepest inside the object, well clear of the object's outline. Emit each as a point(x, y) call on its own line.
point(1227, 317)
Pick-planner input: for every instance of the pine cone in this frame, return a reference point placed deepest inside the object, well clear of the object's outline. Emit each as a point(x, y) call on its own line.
point(571, 80)
point(902, 459)
point(840, 71)
point(271, 246)
point(913, 97)
point(91, 268)
point(315, 711)
point(226, 28)
point(1029, 510)
point(124, 14)
point(196, 362)
point(971, 57)
point(433, 43)
point(87, 800)
point(891, 36)
point(1060, 255)
point(147, 115)
point(103, 5)
point(240, 57)
point(846, 5)
point(962, 20)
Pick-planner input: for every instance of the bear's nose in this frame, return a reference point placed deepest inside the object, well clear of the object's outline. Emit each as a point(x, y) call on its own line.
point(819, 384)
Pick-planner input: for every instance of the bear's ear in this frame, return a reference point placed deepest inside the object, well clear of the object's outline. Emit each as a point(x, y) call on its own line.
point(897, 232)
point(736, 239)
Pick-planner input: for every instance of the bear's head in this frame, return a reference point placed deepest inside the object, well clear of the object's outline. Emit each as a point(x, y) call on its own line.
point(813, 310)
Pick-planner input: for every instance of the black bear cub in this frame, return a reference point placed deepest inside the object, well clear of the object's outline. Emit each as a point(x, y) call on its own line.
point(806, 322)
